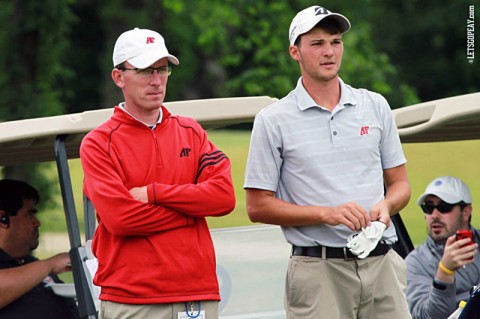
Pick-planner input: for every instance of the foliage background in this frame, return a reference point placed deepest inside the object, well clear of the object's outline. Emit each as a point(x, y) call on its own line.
point(56, 59)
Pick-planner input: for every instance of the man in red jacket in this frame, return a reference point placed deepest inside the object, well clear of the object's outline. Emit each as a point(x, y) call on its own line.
point(153, 177)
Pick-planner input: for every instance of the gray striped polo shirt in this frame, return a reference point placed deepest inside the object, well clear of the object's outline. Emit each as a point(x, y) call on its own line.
point(309, 155)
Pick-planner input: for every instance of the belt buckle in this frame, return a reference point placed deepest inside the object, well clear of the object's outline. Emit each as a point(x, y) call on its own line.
point(345, 255)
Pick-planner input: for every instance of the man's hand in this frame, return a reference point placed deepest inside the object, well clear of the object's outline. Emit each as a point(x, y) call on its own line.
point(366, 241)
point(59, 263)
point(457, 253)
point(381, 212)
point(351, 215)
point(140, 193)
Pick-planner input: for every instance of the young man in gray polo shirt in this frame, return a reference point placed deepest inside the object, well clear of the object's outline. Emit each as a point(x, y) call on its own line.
point(318, 163)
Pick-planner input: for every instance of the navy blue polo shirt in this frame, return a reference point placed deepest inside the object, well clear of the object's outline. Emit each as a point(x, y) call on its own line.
point(40, 302)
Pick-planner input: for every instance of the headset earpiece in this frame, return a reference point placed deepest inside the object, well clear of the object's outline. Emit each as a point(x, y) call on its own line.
point(5, 220)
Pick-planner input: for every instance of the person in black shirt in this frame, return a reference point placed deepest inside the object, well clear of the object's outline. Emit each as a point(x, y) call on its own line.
point(24, 279)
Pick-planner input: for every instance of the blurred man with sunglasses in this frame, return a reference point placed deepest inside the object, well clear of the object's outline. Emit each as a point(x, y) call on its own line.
point(442, 271)
point(153, 178)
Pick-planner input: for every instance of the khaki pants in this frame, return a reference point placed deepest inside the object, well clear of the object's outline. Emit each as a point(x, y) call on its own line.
point(370, 288)
point(113, 310)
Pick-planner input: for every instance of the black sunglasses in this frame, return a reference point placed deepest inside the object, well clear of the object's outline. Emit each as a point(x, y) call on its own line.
point(442, 207)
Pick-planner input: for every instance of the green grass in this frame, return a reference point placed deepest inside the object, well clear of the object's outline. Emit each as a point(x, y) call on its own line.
point(425, 162)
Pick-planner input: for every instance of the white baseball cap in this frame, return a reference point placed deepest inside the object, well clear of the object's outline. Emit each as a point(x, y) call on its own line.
point(141, 48)
point(306, 19)
point(448, 188)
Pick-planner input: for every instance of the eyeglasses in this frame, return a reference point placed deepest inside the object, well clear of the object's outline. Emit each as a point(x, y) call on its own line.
point(148, 72)
point(442, 207)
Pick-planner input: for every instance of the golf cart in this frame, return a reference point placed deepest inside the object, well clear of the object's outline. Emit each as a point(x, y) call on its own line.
point(252, 260)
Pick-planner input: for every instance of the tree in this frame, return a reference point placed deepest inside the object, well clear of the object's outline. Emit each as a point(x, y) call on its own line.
point(33, 42)
point(226, 48)
point(427, 42)
point(242, 49)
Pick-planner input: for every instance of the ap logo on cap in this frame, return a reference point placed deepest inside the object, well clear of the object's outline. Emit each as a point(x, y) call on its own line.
point(141, 48)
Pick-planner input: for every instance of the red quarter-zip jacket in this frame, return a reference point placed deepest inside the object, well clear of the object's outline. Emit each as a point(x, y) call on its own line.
point(160, 251)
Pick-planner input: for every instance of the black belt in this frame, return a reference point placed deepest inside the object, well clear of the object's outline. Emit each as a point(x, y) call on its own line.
point(333, 252)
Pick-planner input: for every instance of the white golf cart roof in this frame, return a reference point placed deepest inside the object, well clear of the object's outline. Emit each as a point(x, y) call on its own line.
point(449, 119)
point(31, 140)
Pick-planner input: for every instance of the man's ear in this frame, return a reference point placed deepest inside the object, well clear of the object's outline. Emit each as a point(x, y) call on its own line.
point(293, 49)
point(117, 77)
point(467, 212)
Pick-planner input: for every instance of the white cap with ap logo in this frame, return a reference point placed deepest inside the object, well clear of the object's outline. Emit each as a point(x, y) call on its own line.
point(306, 19)
point(450, 189)
point(141, 48)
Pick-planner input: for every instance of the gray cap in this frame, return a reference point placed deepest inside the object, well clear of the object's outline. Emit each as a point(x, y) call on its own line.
point(450, 189)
